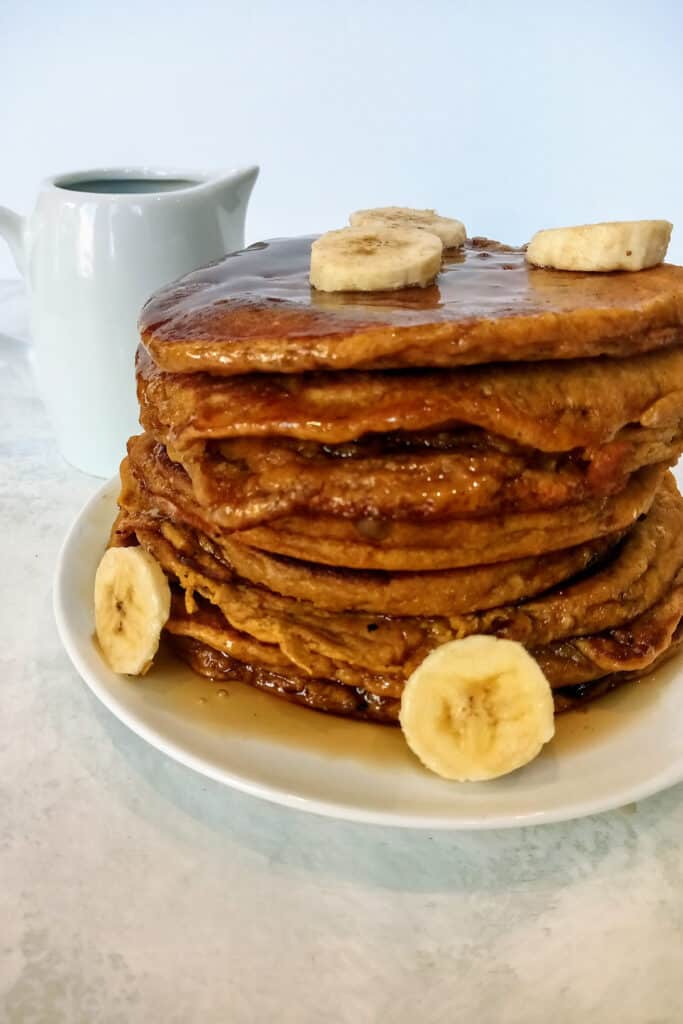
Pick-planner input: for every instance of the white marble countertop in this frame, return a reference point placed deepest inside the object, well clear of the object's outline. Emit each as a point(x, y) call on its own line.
point(133, 890)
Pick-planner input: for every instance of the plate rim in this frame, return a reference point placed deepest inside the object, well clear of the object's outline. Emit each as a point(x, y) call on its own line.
point(570, 811)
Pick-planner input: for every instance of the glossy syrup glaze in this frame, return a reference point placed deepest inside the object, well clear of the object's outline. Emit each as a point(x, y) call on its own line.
point(256, 310)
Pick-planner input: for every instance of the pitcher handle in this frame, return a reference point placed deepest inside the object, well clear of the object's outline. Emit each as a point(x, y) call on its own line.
point(12, 230)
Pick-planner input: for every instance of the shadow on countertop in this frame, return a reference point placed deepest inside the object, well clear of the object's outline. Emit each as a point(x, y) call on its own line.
point(294, 842)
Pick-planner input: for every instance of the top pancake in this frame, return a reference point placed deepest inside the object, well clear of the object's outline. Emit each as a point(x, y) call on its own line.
point(254, 311)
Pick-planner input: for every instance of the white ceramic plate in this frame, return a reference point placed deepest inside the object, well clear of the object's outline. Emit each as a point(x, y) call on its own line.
point(623, 748)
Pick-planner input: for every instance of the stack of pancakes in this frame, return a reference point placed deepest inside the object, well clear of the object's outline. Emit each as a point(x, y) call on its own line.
point(337, 483)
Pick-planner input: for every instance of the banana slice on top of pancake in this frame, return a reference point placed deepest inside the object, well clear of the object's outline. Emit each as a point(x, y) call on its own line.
point(132, 606)
point(374, 259)
point(451, 232)
point(477, 708)
point(616, 245)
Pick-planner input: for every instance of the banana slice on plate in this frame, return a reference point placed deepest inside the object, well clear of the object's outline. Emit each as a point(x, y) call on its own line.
point(132, 605)
point(374, 259)
point(477, 708)
point(619, 245)
point(451, 232)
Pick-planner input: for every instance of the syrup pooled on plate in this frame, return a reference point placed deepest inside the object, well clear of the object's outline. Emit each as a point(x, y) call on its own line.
point(235, 710)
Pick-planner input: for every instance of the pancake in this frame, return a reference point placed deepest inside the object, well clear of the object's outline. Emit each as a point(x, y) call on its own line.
point(639, 576)
point(336, 484)
point(399, 545)
point(634, 648)
point(316, 641)
point(254, 311)
point(551, 406)
point(246, 482)
point(321, 643)
point(317, 694)
point(206, 623)
point(355, 702)
point(447, 592)
point(427, 593)
point(569, 698)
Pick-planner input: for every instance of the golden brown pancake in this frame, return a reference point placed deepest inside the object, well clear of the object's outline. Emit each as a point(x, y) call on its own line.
point(570, 697)
point(445, 592)
point(317, 694)
point(402, 546)
point(335, 484)
point(206, 623)
point(350, 646)
point(243, 483)
point(254, 311)
point(355, 702)
point(551, 406)
point(639, 576)
point(399, 545)
point(634, 647)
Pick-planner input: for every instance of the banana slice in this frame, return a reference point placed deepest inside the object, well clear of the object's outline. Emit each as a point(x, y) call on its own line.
point(451, 232)
point(374, 259)
point(619, 245)
point(477, 708)
point(132, 605)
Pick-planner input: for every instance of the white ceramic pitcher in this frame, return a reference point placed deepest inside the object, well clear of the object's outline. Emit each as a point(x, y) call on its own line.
point(97, 244)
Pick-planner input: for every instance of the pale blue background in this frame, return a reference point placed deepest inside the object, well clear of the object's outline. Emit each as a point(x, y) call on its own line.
point(512, 116)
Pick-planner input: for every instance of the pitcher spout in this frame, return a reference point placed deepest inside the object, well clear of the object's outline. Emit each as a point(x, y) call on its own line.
point(233, 188)
point(231, 191)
